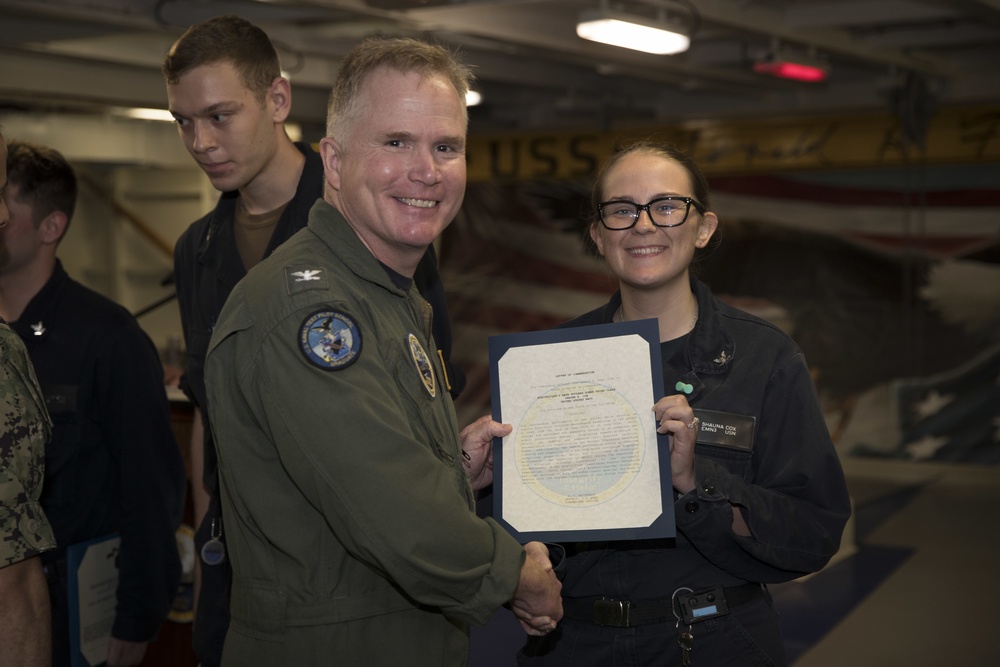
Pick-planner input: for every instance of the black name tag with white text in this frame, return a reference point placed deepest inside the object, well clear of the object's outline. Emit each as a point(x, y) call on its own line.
point(725, 429)
point(60, 398)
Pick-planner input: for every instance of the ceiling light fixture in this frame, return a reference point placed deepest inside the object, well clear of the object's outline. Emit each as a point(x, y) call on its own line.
point(473, 98)
point(657, 36)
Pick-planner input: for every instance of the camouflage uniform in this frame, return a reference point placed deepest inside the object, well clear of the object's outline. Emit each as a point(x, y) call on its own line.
point(24, 429)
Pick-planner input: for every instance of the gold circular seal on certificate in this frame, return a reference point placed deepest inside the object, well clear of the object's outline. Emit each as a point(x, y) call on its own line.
point(579, 444)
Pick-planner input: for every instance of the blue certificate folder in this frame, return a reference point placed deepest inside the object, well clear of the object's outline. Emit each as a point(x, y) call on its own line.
point(92, 583)
point(562, 498)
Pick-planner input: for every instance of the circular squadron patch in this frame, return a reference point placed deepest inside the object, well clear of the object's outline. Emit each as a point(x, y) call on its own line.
point(330, 340)
point(423, 364)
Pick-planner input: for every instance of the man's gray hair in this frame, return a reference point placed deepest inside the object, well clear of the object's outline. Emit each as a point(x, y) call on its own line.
point(402, 54)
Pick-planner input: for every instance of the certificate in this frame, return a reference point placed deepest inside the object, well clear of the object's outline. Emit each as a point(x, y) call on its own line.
point(584, 461)
point(92, 574)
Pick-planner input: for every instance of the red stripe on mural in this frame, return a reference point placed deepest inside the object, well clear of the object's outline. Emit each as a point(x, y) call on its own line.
point(466, 254)
point(945, 246)
point(783, 188)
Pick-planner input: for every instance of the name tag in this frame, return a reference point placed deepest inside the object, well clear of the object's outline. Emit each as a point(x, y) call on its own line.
point(725, 429)
point(60, 398)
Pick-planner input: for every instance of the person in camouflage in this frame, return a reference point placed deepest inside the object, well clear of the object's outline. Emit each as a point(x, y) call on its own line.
point(24, 530)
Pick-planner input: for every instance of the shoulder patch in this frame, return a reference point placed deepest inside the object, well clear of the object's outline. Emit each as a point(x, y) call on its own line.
point(302, 278)
point(330, 340)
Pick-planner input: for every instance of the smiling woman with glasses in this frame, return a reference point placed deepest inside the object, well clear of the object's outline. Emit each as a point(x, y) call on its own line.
point(759, 495)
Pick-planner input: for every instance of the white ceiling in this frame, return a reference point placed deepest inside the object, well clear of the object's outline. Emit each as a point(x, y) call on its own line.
point(535, 73)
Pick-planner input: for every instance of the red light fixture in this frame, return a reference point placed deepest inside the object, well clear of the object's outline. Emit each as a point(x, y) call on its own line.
point(790, 69)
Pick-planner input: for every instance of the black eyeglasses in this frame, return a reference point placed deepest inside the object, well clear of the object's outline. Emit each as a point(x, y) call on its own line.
point(619, 214)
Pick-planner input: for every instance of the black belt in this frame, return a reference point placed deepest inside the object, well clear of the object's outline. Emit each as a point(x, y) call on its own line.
point(627, 614)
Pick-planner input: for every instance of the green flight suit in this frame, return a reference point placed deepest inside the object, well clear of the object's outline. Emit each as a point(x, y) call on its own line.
point(349, 519)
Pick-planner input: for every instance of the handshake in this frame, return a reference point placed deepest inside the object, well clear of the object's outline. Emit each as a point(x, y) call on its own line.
point(537, 602)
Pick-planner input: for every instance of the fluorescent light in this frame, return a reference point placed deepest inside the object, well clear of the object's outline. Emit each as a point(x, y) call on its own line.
point(632, 32)
point(144, 114)
point(473, 97)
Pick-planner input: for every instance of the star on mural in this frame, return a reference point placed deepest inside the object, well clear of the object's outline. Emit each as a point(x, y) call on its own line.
point(926, 447)
point(932, 404)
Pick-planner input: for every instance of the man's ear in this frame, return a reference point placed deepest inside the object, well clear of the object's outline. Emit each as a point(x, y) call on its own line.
point(279, 96)
point(331, 153)
point(53, 226)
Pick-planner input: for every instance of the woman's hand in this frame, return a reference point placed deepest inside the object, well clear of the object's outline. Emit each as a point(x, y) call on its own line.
point(477, 449)
point(677, 418)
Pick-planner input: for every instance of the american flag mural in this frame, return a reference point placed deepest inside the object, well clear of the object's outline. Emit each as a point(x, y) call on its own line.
point(888, 280)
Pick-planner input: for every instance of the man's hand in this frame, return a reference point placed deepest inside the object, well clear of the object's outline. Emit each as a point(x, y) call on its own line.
point(124, 654)
point(477, 449)
point(537, 603)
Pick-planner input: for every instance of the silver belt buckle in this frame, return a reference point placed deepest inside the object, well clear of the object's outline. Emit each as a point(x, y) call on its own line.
point(614, 613)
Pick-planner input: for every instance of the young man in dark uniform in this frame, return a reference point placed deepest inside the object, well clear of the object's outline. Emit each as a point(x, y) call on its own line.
point(112, 465)
point(225, 89)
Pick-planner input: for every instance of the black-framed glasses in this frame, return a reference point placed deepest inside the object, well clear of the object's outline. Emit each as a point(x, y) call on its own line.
point(620, 214)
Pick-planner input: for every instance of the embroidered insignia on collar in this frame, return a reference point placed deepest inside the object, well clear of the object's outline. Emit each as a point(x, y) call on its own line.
point(723, 358)
point(306, 275)
point(423, 364)
point(39, 329)
point(300, 278)
point(330, 340)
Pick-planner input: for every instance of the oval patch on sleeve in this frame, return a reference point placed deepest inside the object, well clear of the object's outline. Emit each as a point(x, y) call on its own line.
point(330, 340)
